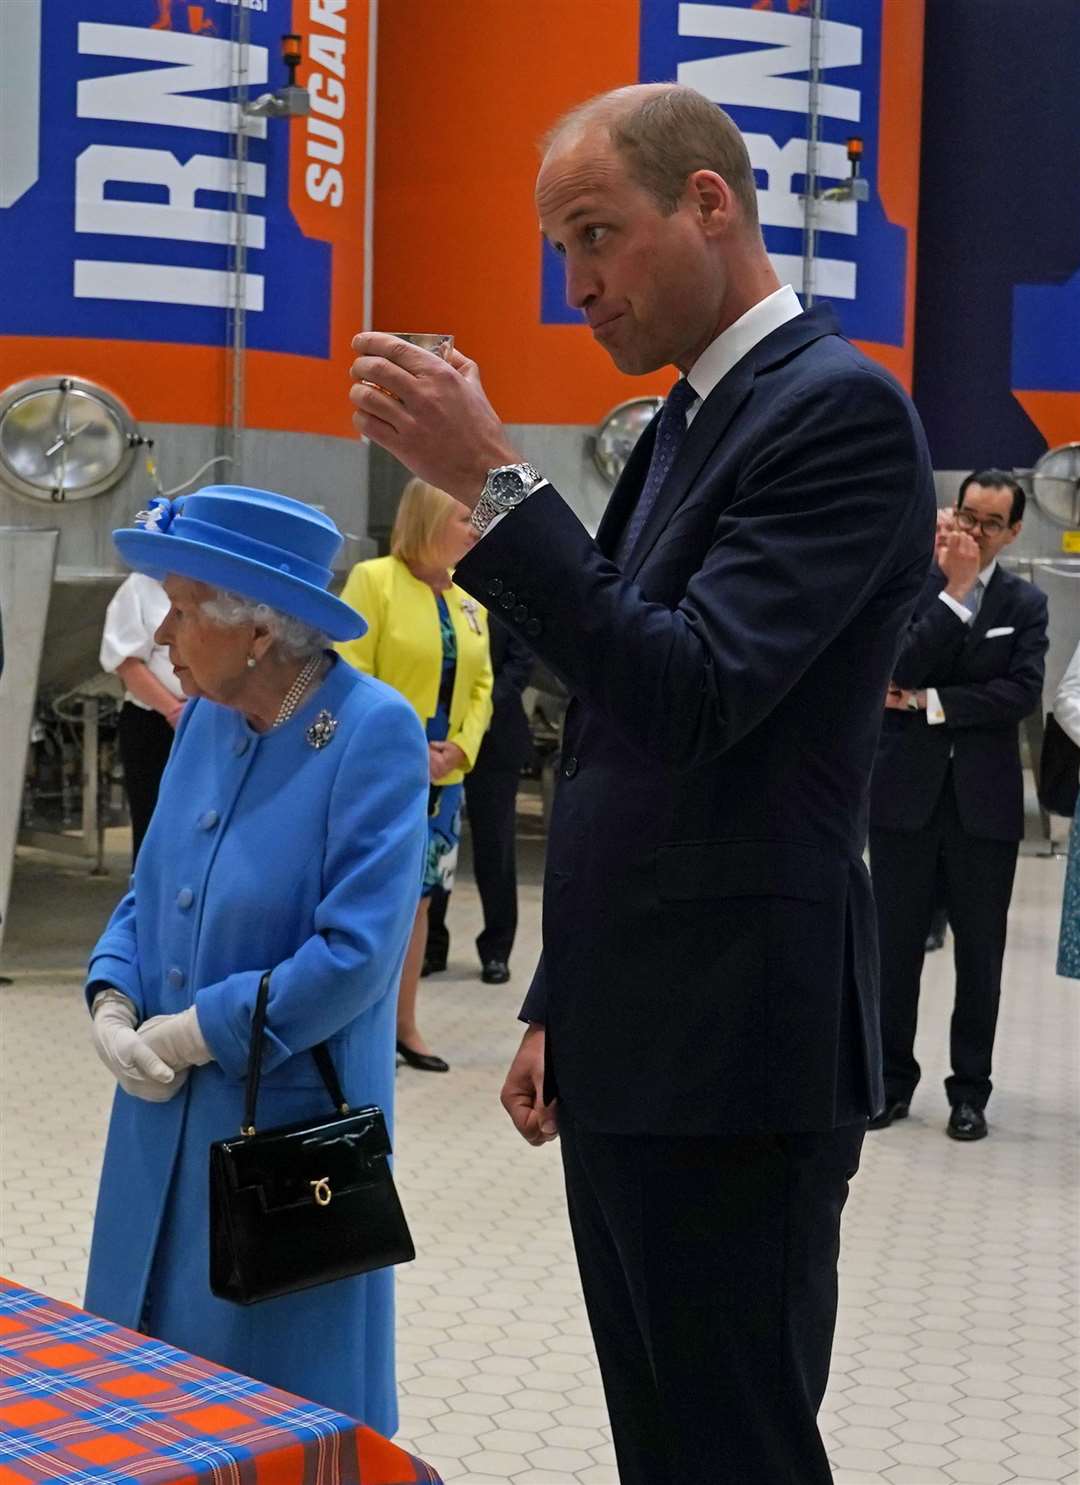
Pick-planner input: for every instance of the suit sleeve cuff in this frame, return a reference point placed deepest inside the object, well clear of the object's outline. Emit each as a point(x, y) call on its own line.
point(490, 527)
point(959, 609)
point(935, 712)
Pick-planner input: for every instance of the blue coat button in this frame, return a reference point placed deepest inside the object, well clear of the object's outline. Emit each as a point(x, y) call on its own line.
point(185, 897)
point(176, 978)
point(208, 820)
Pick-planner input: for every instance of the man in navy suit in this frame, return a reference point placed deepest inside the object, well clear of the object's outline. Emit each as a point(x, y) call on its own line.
point(702, 1027)
point(491, 788)
point(948, 790)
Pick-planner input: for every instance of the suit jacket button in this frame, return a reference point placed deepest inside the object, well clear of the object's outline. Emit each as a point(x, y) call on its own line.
point(495, 587)
point(520, 614)
point(533, 628)
point(508, 599)
point(185, 897)
point(176, 978)
point(570, 766)
point(208, 820)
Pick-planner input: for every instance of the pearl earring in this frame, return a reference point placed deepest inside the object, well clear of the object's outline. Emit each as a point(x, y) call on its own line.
point(251, 662)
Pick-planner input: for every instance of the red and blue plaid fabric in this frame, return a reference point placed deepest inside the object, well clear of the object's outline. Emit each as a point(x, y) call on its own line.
point(84, 1401)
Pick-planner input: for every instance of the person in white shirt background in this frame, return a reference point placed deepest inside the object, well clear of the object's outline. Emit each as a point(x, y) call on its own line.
point(153, 699)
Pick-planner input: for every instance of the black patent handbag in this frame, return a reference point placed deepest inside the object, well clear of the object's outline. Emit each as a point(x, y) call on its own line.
point(306, 1203)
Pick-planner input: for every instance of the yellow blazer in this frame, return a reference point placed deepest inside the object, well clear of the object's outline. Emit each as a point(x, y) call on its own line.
point(403, 647)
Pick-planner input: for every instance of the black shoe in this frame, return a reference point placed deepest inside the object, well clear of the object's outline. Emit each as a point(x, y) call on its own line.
point(966, 1122)
point(422, 1061)
point(434, 964)
point(893, 1110)
point(495, 972)
point(934, 941)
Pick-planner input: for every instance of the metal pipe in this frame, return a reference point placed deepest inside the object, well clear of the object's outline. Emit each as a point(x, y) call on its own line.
point(236, 353)
point(813, 140)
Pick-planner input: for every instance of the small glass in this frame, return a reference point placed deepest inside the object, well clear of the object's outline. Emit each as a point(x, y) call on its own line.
point(439, 345)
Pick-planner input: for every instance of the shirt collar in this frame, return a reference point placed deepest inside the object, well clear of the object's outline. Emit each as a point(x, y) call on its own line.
point(987, 573)
point(732, 344)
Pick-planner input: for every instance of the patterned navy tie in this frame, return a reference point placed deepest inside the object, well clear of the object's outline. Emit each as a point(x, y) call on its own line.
point(670, 432)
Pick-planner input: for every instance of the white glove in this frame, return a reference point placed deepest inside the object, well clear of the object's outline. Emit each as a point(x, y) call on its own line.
point(135, 1066)
point(177, 1040)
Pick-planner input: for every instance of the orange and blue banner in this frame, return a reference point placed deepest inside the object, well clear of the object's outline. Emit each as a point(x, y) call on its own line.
point(120, 197)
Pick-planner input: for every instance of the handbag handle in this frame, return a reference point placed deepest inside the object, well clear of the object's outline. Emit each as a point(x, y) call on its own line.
point(323, 1061)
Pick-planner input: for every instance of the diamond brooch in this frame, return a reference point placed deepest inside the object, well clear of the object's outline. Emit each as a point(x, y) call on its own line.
point(321, 730)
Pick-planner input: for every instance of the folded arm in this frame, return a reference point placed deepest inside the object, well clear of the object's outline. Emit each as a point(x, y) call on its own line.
point(1007, 700)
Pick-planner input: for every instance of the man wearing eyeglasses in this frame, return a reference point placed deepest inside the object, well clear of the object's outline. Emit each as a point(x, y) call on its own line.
point(947, 790)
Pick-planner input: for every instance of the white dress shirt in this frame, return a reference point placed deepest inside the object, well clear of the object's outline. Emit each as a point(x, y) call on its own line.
point(732, 344)
point(1067, 699)
point(964, 609)
point(137, 609)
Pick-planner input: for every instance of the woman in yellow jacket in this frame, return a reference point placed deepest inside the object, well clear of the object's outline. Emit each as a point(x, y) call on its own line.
point(429, 640)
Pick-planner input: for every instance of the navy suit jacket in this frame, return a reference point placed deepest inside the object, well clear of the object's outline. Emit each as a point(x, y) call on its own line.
point(989, 676)
point(710, 950)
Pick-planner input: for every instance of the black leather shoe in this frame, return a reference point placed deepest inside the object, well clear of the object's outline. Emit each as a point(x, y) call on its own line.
point(432, 965)
point(422, 1061)
point(495, 972)
point(934, 941)
point(892, 1111)
point(966, 1122)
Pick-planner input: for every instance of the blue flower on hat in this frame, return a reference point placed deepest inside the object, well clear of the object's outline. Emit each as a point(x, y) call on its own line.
point(158, 515)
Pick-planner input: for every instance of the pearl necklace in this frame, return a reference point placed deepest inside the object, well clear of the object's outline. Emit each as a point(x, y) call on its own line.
point(294, 694)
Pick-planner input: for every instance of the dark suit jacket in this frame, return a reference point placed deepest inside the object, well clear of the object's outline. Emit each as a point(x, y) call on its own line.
point(505, 748)
point(710, 947)
point(989, 676)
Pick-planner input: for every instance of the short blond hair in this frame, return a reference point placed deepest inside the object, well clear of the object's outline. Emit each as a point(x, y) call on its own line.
point(664, 132)
point(421, 515)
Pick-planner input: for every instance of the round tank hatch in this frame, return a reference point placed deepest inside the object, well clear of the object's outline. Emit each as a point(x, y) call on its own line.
point(620, 431)
point(62, 438)
point(1055, 485)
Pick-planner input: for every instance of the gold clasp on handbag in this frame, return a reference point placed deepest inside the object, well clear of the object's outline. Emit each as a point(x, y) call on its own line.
point(321, 1189)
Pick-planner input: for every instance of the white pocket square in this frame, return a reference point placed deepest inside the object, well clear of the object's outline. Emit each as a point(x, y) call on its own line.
point(997, 633)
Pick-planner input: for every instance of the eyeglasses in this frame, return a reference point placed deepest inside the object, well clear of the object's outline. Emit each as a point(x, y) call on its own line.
point(968, 521)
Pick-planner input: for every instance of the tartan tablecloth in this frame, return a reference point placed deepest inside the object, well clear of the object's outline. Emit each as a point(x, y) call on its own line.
point(84, 1401)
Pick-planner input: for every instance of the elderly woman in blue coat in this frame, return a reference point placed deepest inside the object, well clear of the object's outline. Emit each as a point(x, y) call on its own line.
point(288, 837)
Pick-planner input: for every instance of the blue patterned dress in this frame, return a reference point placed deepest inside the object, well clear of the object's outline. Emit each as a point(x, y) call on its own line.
point(1068, 962)
point(444, 800)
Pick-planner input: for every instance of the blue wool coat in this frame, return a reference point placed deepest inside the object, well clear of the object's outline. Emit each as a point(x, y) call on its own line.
point(264, 853)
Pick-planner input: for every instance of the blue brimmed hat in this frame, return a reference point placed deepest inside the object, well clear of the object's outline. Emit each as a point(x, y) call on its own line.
point(263, 546)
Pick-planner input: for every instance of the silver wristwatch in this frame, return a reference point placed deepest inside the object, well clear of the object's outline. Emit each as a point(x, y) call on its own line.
point(505, 488)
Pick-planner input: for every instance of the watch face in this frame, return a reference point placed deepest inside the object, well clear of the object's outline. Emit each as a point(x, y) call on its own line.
point(508, 488)
point(62, 439)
